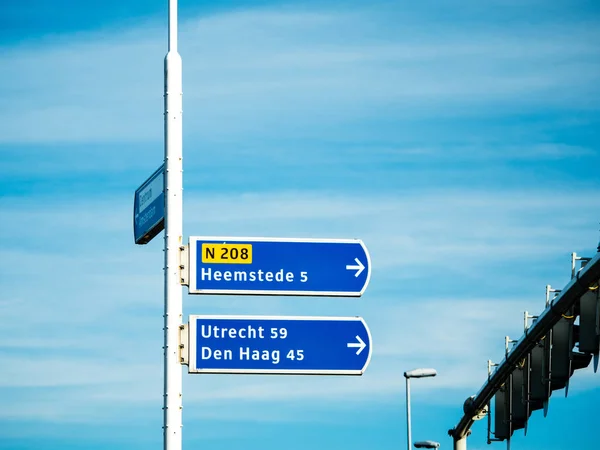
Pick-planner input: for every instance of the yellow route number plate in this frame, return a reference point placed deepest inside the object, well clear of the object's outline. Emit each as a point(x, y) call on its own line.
point(227, 253)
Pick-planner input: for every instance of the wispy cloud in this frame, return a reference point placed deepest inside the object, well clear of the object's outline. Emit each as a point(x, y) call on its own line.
point(430, 297)
point(458, 142)
point(243, 69)
point(482, 152)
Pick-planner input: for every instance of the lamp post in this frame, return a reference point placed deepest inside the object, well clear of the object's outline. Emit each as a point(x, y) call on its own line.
point(416, 373)
point(427, 444)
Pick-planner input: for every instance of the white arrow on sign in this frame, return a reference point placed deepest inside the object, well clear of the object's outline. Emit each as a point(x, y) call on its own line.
point(360, 345)
point(359, 267)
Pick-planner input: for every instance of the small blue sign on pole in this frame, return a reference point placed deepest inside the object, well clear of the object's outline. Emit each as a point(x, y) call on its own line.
point(149, 208)
point(279, 345)
point(278, 266)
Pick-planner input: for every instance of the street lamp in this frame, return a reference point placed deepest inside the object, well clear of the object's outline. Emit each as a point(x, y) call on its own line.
point(416, 373)
point(427, 444)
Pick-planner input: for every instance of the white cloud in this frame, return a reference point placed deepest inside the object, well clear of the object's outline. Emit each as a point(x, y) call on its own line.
point(429, 303)
point(81, 306)
point(482, 152)
point(249, 72)
point(52, 371)
point(454, 228)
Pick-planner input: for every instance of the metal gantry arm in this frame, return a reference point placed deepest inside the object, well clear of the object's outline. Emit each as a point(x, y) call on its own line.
point(565, 299)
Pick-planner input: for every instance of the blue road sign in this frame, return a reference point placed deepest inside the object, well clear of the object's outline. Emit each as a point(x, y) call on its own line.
point(149, 208)
point(279, 345)
point(278, 266)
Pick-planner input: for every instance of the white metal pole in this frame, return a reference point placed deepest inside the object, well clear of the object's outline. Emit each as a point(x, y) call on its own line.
point(173, 238)
point(461, 444)
point(408, 413)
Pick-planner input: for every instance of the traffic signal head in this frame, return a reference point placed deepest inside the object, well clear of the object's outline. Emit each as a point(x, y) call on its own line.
point(589, 324)
point(553, 360)
point(512, 405)
point(539, 368)
point(519, 412)
point(502, 428)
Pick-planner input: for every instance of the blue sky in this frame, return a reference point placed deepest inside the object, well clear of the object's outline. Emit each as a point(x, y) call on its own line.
point(458, 140)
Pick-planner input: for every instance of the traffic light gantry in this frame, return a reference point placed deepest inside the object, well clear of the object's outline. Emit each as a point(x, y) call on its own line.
point(565, 337)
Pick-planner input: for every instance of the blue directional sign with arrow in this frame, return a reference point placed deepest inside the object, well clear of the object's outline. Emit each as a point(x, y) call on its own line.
point(278, 266)
point(279, 345)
